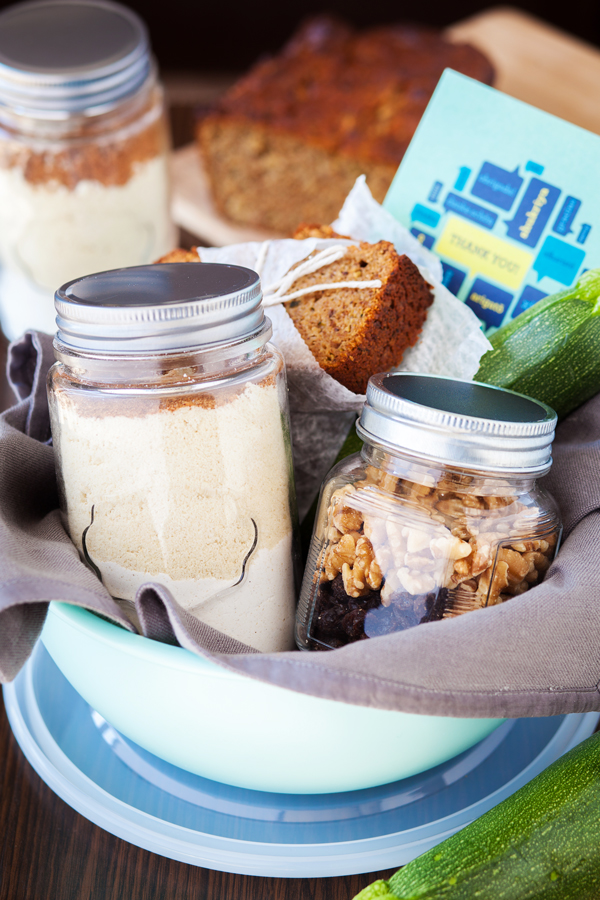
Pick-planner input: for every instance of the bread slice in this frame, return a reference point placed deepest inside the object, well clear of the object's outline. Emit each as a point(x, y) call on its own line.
point(354, 333)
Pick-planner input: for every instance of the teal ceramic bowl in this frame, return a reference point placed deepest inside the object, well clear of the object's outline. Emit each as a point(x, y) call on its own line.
point(239, 731)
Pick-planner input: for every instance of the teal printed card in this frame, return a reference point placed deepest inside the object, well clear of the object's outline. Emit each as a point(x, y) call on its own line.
point(506, 195)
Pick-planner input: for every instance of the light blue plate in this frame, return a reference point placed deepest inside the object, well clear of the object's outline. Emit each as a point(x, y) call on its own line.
point(237, 730)
point(155, 805)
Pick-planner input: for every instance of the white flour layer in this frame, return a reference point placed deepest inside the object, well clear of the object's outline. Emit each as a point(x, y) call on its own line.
point(259, 612)
point(50, 234)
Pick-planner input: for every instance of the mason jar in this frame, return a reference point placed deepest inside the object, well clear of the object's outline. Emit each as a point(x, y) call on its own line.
point(170, 427)
point(440, 514)
point(83, 152)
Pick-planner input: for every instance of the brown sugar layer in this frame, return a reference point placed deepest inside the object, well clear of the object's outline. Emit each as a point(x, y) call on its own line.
point(354, 333)
point(110, 159)
point(287, 142)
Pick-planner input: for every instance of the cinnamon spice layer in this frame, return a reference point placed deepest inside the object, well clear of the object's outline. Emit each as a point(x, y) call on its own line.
point(110, 160)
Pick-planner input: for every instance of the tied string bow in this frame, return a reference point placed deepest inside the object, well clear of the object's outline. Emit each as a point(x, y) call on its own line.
point(277, 292)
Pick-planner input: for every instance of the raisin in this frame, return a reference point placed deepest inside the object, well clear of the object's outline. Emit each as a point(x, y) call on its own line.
point(353, 623)
point(435, 605)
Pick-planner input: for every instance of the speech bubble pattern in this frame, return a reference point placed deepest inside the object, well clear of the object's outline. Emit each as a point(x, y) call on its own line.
point(534, 167)
point(529, 297)
point(462, 178)
point(434, 193)
point(497, 186)
point(533, 213)
point(488, 302)
point(427, 240)
point(452, 277)
point(567, 213)
point(482, 253)
point(583, 233)
point(425, 215)
point(558, 260)
point(470, 210)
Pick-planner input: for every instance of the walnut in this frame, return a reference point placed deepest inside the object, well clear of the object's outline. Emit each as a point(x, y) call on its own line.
point(338, 554)
point(537, 561)
point(528, 546)
point(388, 482)
point(472, 501)
point(470, 585)
point(518, 566)
point(449, 548)
point(449, 481)
point(346, 519)
point(473, 565)
point(366, 567)
point(354, 557)
point(332, 534)
point(452, 507)
point(491, 586)
point(532, 576)
point(498, 501)
point(353, 586)
point(513, 590)
point(464, 530)
point(420, 490)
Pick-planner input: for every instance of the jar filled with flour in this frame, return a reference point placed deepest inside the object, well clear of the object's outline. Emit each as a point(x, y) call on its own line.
point(83, 152)
point(170, 427)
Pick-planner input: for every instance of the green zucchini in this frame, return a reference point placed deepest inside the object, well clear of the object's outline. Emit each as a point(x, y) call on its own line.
point(552, 350)
point(541, 842)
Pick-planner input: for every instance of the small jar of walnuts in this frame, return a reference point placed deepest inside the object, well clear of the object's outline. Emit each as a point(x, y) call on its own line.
point(438, 515)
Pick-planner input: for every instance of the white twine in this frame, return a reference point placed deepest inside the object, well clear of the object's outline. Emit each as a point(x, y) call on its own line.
point(272, 300)
point(277, 292)
point(262, 256)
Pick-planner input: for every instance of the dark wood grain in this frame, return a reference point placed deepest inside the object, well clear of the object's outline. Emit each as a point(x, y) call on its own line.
point(50, 852)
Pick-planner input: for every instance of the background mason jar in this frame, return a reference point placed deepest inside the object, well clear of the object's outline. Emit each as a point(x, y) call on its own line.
point(83, 152)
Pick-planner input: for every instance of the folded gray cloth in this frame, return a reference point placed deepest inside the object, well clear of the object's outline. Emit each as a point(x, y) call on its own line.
point(536, 655)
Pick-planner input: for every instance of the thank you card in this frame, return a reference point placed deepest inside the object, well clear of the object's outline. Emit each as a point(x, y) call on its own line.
point(507, 195)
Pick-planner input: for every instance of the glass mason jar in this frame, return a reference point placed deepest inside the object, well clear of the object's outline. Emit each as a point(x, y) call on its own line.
point(170, 426)
point(438, 515)
point(83, 152)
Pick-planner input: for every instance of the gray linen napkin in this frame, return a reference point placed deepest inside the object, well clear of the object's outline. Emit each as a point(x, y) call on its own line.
point(536, 655)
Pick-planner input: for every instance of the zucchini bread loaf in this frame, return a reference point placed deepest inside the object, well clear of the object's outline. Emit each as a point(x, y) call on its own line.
point(287, 142)
point(355, 332)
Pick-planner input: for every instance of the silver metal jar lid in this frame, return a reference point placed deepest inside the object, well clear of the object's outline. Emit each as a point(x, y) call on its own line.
point(459, 423)
point(148, 309)
point(59, 57)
